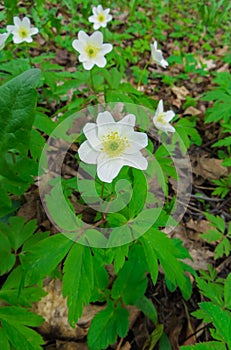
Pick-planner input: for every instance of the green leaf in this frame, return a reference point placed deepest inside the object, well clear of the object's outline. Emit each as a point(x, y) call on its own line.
point(154, 337)
point(13, 294)
point(106, 326)
point(211, 236)
point(19, 315)
point(7, 258)
point(4, 343)
point(18, 232)
point(22, 337)
point(139, 194)
point(227, 292)
point(164, 343)
point(216, 221)
point(150, 257)
point(147, 307)
point(167, 253)
point(78, 280)
point(210, 345)
point(224, 247)
point(120, 253)
point(131, 282)
point(101, 280)
point(17, 101)
point(221, 319)
point(42, 258)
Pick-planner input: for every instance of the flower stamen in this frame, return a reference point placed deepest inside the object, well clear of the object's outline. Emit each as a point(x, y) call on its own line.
point(114, 145)
point(23, 32)
point(160, 119)
point(101, 17)
point(91, 51)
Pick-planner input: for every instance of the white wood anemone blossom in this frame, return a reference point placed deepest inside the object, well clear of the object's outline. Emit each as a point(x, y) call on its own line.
point(100, 17)
point(111, 145)
point(3, 38)
point(157, 55)
point(91, 49)
point(22, 30)
point(161, 119)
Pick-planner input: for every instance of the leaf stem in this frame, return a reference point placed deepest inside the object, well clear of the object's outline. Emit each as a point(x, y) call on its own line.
point(142, 74)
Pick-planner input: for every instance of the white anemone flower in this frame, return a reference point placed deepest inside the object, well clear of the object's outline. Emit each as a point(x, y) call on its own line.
point(161, 119)
point(22, 30)
point(91, 49)
point(3, 38)
point(100, 17)
point(111, 145)
point(157, 55)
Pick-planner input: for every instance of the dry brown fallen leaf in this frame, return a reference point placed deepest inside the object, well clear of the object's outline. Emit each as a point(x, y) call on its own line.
point(61, 345)
point(209, 168)
point(192, 111)
point(53, 309)
point(200, 226)
point(203, 61)
point(200, 254)
point(180, 92)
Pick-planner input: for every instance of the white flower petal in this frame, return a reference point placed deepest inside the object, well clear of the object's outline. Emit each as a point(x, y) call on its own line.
point(17, 39)
point(94, 10)
point(17, 21)
point(163, 63)
point(164, 127)
point(87, 154)
point(26, 22)
point(157, 56)
point(169, 115)
point(28, 39)
point(160, 108)
point(100, 61)
point(83, 57)
point(108, 169)
point(100, 9)
point(137, 141)
point(82, 36)
point(129, 120)
point(97, 39)
point(88, 65)
point(91, 19)
point(90, 130)
point(105, 118)
point(78, 46)
point(10, 28)
point(96, 26)
point(34, 31)
point(136, 160)
point(106, 48)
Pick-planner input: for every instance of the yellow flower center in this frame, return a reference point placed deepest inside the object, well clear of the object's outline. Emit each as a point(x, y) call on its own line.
point(114, 145)
point(23, 32)
point(92, 51)
point(101, 17)
point(160, 119)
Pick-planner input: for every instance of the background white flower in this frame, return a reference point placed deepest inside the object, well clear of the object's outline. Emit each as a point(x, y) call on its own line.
point(22, 30)
point(111, 145)
point(161, 119)
point(3, 38)
point(100, 17)
point(157, 55)
point(91, 49)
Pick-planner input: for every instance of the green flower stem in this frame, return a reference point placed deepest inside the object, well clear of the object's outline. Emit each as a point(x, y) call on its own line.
point(142, 74)
point(92, 81)
point(101, 196)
